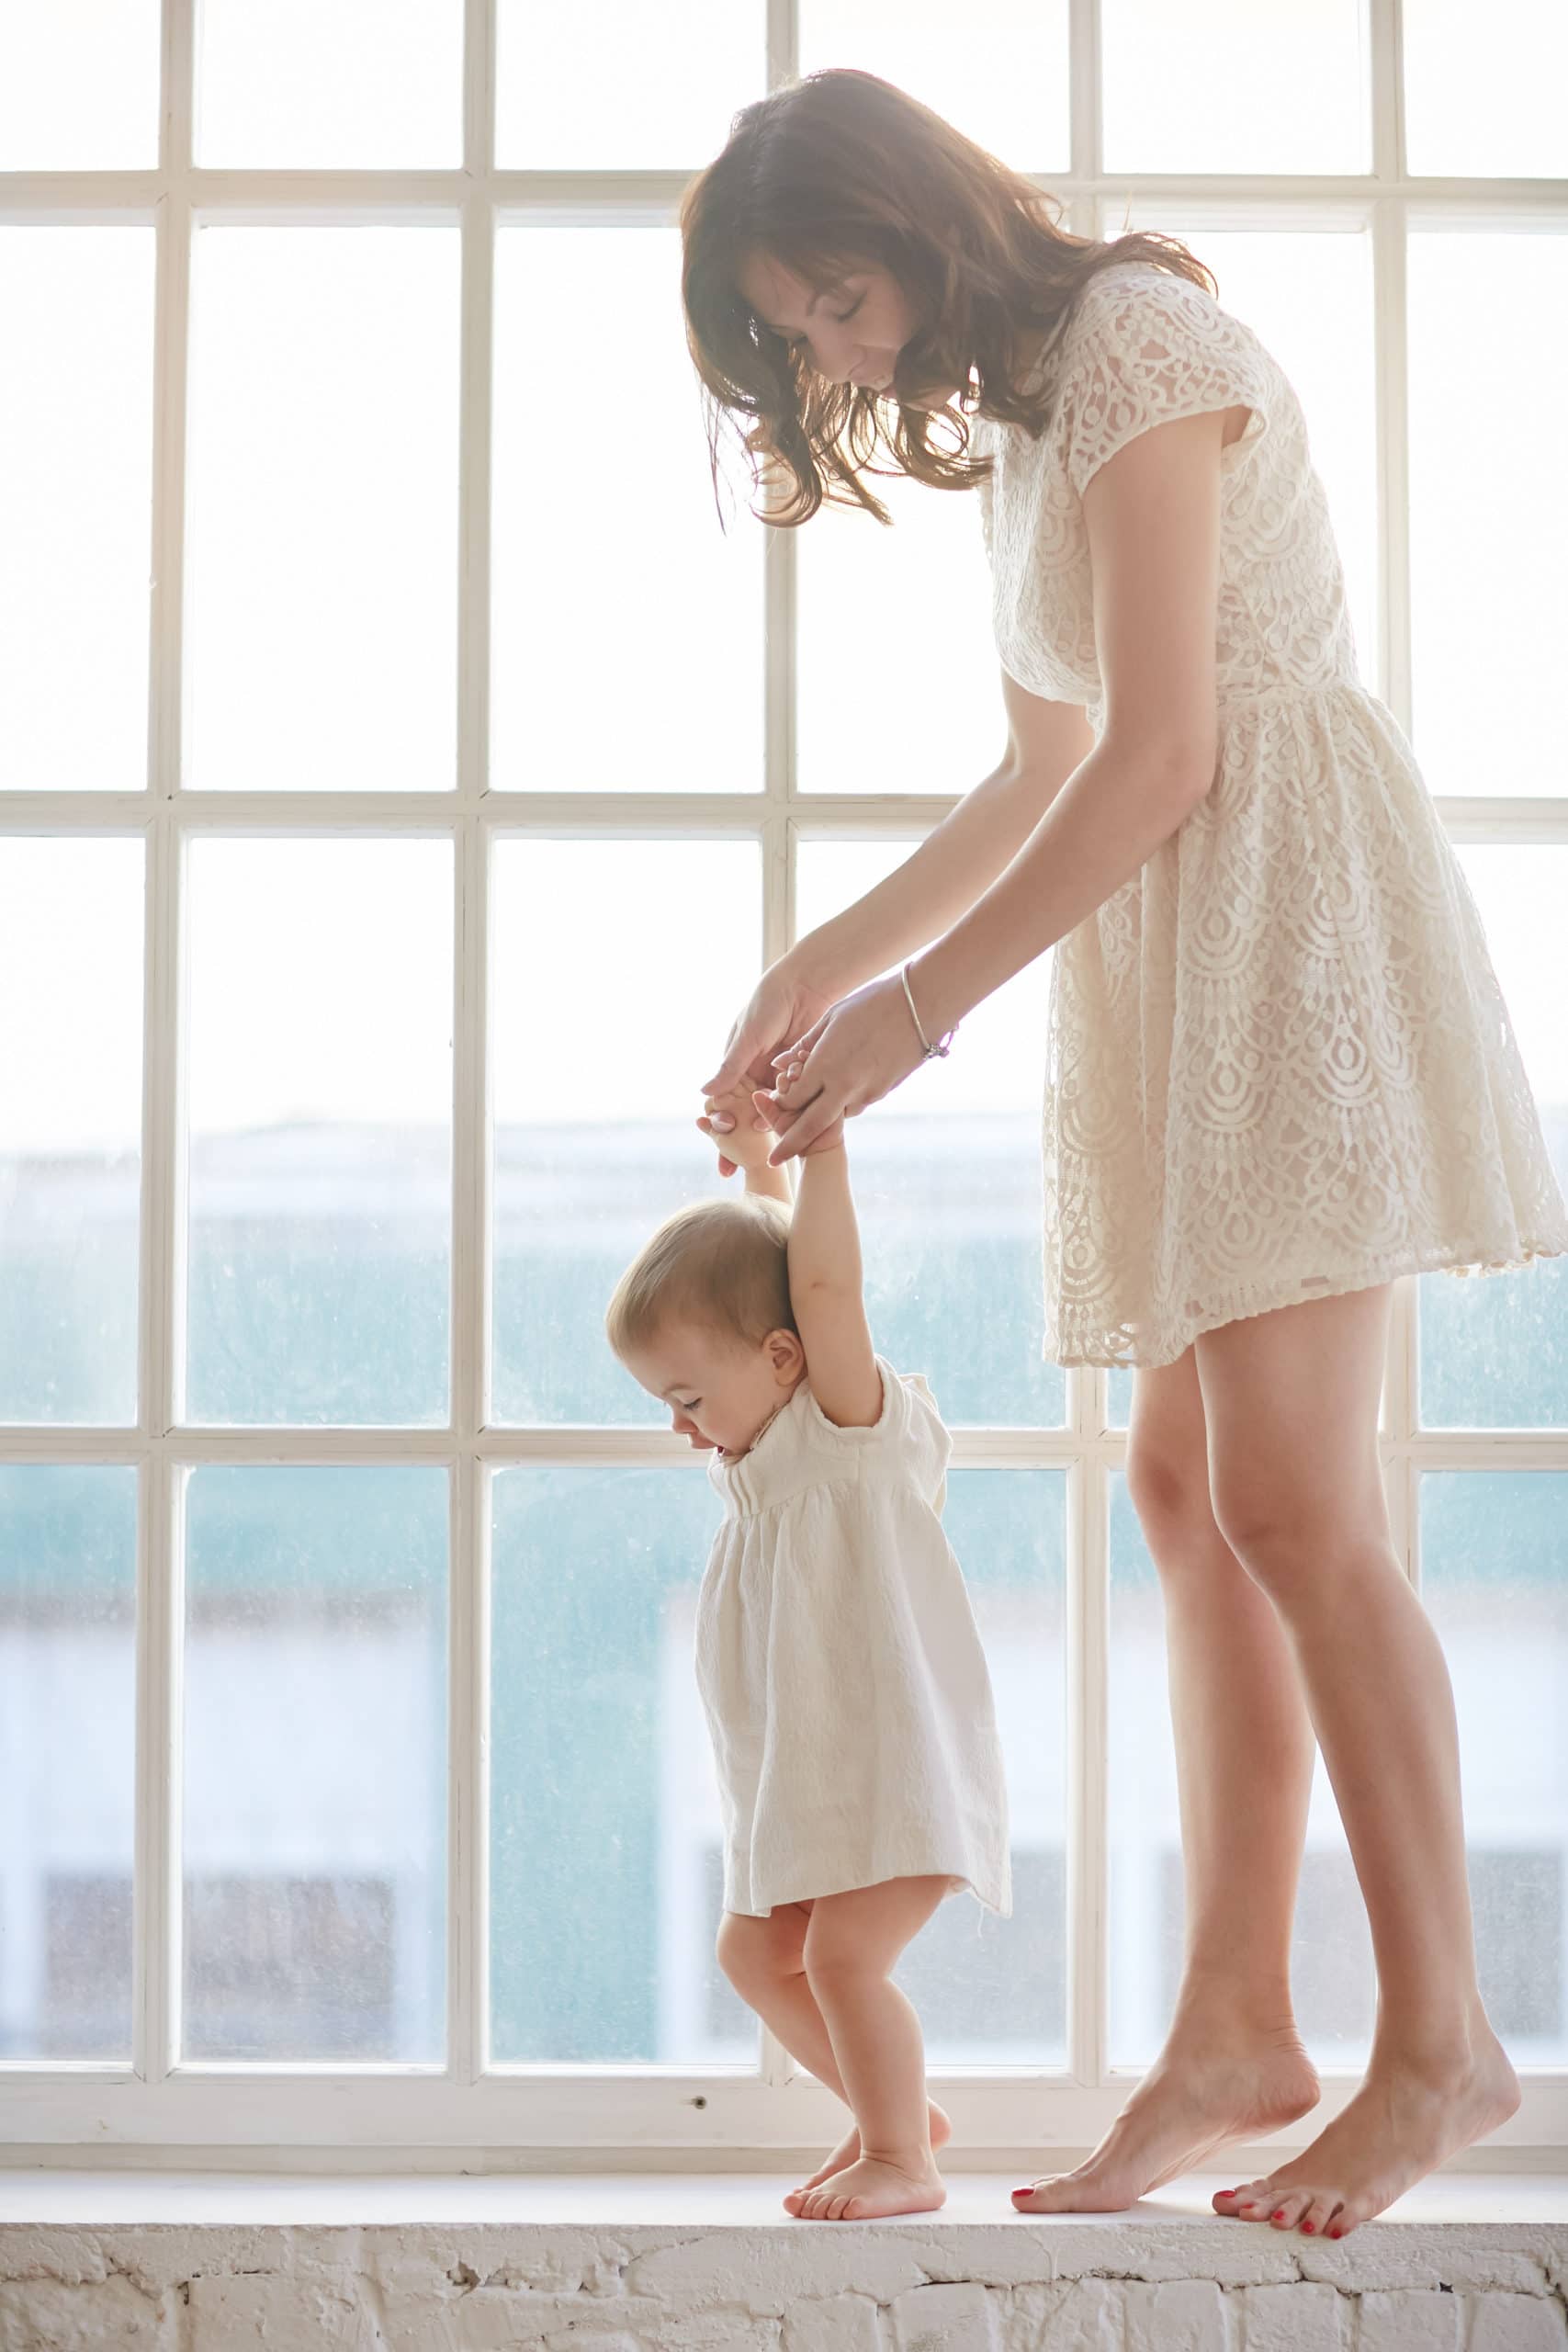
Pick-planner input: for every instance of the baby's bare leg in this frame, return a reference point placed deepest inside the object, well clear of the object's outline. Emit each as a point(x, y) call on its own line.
point(852, 1943)
point(764, 1960)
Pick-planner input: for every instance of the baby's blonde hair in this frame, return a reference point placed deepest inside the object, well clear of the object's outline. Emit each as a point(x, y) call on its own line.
point(721, 1264)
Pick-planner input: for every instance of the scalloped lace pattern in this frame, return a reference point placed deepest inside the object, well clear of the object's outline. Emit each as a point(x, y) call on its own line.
point(1278, 1063)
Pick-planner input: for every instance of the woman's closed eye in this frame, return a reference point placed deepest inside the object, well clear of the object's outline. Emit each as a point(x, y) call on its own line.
point(796, 342)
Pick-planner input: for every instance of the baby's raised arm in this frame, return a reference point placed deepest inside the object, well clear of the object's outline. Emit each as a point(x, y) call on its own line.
point(826, 1290)
point(824, 1280)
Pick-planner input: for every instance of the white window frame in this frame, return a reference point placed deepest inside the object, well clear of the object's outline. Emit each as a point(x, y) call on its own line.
point(155, 2110)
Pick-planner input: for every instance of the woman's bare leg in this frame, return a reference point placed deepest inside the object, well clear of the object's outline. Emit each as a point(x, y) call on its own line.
point(1290, 1400)
point(1232, 2065)
point(765, 1961)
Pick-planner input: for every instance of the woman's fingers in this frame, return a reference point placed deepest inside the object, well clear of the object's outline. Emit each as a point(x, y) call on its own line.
point(802, 1133)
point(802, 1047)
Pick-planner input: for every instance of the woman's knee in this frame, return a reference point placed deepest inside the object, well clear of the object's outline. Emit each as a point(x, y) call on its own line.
point(1167, 1468)
point(1296, 1537)
point(1166, 1487)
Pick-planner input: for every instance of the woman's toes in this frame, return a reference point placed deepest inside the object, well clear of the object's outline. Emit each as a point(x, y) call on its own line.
point(1319, 2215)
point(1247, 2201)
point(1288, 2206)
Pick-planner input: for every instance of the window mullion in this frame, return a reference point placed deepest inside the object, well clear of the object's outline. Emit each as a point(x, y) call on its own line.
point(1087, 132)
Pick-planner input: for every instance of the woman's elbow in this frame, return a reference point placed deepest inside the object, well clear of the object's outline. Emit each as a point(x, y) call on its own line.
point(1178, 771)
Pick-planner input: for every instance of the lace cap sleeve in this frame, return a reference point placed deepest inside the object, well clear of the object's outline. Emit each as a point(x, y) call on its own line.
point(1148, 348)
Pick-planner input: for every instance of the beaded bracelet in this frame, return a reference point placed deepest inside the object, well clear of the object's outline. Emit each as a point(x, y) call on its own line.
point(944, 1043)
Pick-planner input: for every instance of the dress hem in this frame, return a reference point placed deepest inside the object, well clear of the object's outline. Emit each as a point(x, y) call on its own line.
point(964, 1885)
point(1264, 1298)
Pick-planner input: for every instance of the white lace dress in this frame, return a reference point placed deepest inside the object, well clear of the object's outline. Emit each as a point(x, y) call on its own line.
point(1279, 1065)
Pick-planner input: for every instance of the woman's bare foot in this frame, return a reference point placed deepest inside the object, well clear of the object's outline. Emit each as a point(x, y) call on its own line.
point(869, 2189)
point(938, 2123)
point(1202, 2093)
point(1400, 2125)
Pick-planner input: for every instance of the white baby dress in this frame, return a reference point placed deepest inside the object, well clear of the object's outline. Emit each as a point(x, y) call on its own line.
point(841, 1669)
point(1278, 1063)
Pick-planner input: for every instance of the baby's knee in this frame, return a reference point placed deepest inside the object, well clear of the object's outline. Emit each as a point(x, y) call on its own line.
point(751, 1951)
point(837, 1961)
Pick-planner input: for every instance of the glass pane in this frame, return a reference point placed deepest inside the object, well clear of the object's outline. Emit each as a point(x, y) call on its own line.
point(1308, 294)
point(315, 1764)
point(1019, 112)
point(994, 1992)
point(1495, 1576)
point(598, 1746)
point(595, 1140)
point(1488, 513)
point(1224, 85)
point(79, 85)
point(67, 1759)
point(77, 492)
point(71, 954)
point(599, 1742)
point(320, 1129)
point(1331, 1953)
point(619, 599)
point(606, 85)
point(1474, 106)
point(1495, 1347)
point(320, 583)
point(337, 83)
point(891, 719)
point(947, 1183)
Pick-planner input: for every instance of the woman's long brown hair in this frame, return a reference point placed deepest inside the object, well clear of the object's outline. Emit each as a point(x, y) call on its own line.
point(842, 168)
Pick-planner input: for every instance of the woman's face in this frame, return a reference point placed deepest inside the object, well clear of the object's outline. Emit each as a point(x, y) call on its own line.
point(853, 331)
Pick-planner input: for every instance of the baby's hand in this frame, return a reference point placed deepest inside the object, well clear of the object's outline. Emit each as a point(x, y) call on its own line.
point(746, 1141)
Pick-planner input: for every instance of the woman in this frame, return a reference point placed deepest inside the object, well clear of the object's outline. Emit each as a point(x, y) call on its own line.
point(1279, 1070)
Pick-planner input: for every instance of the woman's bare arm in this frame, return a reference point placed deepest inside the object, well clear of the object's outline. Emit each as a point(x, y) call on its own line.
point(961, 856)
point(1153, 519)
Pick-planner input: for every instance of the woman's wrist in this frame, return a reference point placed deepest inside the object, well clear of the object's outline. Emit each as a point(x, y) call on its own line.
point(822, 962)
point(926, 981)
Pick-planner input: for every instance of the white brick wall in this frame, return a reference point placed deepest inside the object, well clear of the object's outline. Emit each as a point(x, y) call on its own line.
point(1141, 2286)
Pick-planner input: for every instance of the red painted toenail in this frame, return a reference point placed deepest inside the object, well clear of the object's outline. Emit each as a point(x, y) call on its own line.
point(1279, 2216)
point(1336, 2233)
point(1308, 2227)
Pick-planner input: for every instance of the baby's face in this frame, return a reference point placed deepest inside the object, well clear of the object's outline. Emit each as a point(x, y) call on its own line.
point(719, 1391)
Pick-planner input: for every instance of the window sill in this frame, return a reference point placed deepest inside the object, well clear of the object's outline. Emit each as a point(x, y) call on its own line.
point(199, 2262)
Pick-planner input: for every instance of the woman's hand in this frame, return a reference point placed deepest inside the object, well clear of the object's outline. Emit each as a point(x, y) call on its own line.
point(851, 1056)
point(782, 1005)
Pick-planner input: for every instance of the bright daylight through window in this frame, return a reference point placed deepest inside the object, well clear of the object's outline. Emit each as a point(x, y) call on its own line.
point(403, 779)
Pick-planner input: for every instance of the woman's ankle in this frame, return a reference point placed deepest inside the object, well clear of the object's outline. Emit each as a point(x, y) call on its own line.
point(1216, 2005)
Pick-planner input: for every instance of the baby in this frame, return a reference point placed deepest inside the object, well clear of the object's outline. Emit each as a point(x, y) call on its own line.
point(854, 1733)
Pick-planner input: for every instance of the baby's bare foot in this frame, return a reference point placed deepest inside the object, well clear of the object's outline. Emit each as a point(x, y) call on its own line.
point(870, 2189)
point(1199, 2095)
point(1400, 2125)
point(939, 2123)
